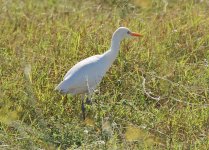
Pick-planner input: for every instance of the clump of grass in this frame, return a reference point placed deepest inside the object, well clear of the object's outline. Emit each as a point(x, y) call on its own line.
point(155, 96)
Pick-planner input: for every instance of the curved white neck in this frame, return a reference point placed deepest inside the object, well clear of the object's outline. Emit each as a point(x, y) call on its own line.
point(115, 47)
point(112, 53)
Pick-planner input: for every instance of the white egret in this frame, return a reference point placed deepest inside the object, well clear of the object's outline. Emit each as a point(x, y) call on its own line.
point(84, 77)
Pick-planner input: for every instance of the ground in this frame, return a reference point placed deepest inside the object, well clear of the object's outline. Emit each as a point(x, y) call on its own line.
point(155, 96)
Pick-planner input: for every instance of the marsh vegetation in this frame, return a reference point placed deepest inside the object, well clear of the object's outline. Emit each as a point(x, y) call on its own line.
point(155, 96)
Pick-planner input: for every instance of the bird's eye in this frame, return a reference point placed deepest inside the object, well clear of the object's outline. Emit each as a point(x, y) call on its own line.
point(128, 32)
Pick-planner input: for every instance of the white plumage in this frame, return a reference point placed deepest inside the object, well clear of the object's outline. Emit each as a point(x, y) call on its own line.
point(88, 73)
point(84, 77)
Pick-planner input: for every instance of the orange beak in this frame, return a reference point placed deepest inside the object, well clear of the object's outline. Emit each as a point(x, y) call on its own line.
point(135, 34)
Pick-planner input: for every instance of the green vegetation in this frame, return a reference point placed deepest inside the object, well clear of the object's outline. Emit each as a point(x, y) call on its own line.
point(155, 96)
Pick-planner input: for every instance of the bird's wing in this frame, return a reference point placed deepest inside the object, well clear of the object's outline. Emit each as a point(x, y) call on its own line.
point(81, 64)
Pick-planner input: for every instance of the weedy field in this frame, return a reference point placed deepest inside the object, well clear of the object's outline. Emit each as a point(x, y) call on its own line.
point(155, 96)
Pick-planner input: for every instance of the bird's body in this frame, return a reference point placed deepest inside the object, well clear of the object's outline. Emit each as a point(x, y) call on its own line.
point(84, 77)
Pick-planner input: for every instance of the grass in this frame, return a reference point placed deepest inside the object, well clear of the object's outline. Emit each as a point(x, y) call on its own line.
point(155, 96)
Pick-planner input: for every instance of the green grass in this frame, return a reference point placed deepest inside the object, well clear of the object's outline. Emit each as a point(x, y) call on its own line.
point(155, 96)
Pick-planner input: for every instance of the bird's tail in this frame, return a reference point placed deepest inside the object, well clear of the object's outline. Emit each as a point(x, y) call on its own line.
point(58, 87)
point(61, 88)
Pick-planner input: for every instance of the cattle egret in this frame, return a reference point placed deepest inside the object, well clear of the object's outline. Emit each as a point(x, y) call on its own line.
point(84, 77)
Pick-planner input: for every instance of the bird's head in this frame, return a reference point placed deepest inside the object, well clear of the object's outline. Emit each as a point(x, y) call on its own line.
point(124, 32)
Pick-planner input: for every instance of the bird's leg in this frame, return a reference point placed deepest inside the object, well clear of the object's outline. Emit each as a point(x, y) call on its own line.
point(88, 100)
point(83, 110)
